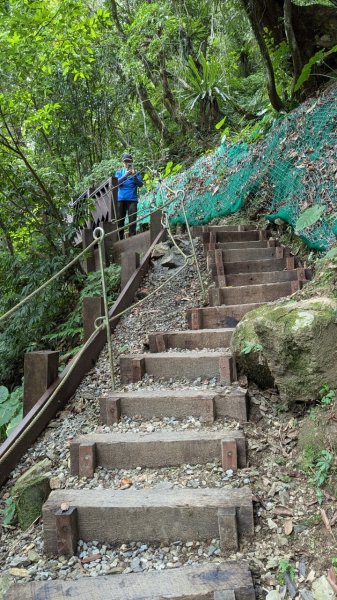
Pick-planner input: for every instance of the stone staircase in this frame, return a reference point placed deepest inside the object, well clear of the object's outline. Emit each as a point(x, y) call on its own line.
point(248, 270)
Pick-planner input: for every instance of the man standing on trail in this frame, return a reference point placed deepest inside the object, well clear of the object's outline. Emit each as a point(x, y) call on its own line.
point(128, 183)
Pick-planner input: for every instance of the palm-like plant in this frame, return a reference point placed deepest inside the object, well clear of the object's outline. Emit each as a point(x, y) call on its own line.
point(204, 87)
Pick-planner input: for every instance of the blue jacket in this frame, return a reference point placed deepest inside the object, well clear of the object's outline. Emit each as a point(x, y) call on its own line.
point(128, 186)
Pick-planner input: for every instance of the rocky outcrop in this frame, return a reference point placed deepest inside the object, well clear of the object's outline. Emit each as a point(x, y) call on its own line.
point(291, 344)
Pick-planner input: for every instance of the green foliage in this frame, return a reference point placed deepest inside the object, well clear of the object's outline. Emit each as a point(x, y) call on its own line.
point(9, 512)
point(309, 217)
point(327, 395)
point(68, 334)
point(170, 169)
point(249, 347)
point(307, 69)
point(11, 410)
point(321, 467)
point(285, 567)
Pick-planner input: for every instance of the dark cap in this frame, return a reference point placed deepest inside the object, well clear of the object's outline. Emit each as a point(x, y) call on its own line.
point(127, 157)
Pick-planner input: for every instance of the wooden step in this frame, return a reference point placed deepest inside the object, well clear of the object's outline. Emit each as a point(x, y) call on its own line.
point(154, 450)
point(229, 580)
point(178, 365)
point(190, 339)
point(251, 266)
point(265, 292)
point(213, 317)
point(246, 254)
point(240, 279)
point(150, 515)
point(214, 237)
point(240, 245)
point(207, 405)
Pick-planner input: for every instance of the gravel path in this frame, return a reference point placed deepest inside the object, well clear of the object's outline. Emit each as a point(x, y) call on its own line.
point(288, 523)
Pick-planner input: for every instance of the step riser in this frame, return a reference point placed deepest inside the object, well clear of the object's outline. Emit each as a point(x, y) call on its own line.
point(239, 245)
point(133, 369)
point(207, 408)
point(225, 581)
point(218, 316)
point(91, 451)
point(115, 517)
point(190, 340)
point(244, 255)
point(199, 229)
point(259, 293)
point(250, 266)
point(232, 236)
point(260, 278)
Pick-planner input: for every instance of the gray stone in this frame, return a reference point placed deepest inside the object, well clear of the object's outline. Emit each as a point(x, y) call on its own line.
point(289, 344)
point(322, 589)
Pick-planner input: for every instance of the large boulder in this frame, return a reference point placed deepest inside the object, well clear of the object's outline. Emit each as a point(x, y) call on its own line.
point(292, 344)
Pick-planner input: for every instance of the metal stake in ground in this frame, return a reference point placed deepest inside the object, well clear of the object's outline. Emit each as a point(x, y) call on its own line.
point(99, 237)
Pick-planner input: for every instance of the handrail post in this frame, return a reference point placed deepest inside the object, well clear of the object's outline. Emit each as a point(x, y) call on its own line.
point(99, 236)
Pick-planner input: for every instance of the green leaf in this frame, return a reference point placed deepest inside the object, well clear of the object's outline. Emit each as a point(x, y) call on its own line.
point(9, 511)
point(4, 393)
point(332, 253)
point(309, 217)
point(14, 422)
point(220, 123)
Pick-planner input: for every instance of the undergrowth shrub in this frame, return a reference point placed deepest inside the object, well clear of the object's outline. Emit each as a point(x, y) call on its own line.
point(47, 321)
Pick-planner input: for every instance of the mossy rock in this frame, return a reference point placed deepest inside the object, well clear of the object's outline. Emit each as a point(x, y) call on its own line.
point(30, 492)
point(296, 344)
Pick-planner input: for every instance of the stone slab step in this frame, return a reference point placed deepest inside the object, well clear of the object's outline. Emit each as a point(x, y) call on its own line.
point(250, 266)
point(154, 450)
point(265, 292)
point(213, 317)
point(229, 580)
point(122, 516)
point(190, 340)
point(178, 365)
point(206, 405)
point(239, 279)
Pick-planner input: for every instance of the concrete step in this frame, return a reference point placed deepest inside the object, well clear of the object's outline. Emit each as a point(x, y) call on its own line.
point(213, 317)
point(178, 365)
point(208, 405)
point(229, 580)
point(241, 279)
point(250, 266)
point(147, 515)
point(190, 340)
point(154, 450)
point(265, 292)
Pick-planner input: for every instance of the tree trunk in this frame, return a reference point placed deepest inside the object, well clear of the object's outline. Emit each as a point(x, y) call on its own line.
point(257, 27)
point(152, 112)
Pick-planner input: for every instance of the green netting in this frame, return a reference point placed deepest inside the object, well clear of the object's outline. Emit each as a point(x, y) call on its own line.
point(292, 168)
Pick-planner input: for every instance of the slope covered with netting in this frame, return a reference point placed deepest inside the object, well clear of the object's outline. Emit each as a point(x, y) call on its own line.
point(292, 168)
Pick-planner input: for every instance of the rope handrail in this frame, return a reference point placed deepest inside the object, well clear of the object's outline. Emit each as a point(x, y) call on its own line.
point(102, 326)
point(72, 262)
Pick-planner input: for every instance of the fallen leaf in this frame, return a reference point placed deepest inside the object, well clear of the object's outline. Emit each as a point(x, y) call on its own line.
point(91, 558)
point(288, 526)
point(19, 572)
point(283, 511)
point(325, 520)
point(332, 578)
point(64, 506)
